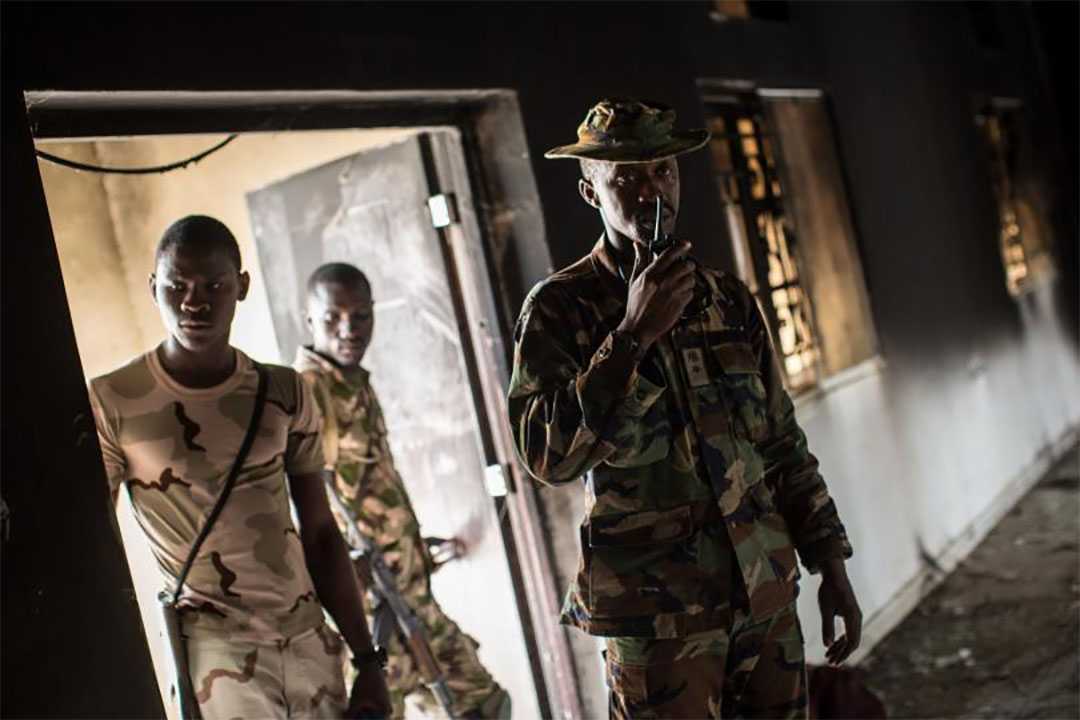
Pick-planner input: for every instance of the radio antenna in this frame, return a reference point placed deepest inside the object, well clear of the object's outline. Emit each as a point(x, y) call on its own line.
point(657, 231)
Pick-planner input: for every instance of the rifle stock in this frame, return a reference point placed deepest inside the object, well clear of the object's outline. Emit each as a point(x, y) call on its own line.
point(425, 660)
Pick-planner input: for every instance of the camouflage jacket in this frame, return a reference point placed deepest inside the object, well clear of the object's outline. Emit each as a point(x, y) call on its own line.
point(173, 447)
point(356, 448)
point(698, 436)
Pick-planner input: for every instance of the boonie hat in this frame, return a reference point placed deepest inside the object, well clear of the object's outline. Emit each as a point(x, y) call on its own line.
point(628, 130)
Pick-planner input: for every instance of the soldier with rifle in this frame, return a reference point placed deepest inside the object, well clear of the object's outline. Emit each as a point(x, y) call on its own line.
point(375, 510)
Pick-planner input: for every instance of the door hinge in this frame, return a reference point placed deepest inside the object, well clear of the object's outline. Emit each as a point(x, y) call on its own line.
point(444, 210)
point(496, 481)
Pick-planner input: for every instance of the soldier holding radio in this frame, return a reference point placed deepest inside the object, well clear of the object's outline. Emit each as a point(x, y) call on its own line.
point(655, 380)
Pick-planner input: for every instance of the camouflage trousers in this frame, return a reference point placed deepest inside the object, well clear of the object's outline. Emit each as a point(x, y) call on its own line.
point(754, 670)
point(474, 692)
point(297, 677)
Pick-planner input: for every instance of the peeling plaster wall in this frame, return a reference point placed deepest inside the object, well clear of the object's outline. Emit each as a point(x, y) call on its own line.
point(91, 260)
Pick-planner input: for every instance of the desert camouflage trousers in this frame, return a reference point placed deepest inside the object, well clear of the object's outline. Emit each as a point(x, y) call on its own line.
point(297, 677)
point(755, 670)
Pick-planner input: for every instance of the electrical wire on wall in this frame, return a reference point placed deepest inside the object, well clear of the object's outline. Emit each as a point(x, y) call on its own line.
point(179, 164)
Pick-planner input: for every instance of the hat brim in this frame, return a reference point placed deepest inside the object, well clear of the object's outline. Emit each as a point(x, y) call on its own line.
point(682, 142)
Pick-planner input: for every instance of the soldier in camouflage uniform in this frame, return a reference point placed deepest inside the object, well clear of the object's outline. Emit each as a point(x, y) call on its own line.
point(655, 379)
point(171, 423)
point(339, 314)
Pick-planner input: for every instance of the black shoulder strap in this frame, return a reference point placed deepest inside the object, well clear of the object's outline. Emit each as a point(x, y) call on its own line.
point(230, 481)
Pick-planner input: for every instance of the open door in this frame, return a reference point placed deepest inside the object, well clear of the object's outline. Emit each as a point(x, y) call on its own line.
point(371, 209)
point(470, 143)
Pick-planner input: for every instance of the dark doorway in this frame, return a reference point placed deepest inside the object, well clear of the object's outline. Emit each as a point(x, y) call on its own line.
point(483, 268)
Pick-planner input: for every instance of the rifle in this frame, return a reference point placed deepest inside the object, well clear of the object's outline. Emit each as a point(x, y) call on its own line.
point(388, 600)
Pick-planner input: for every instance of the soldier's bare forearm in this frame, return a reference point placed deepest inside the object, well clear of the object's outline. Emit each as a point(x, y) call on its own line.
point(833, 568)
point(339, 588)
point(328, 560)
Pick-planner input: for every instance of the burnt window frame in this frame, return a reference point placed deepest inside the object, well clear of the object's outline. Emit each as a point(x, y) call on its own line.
point(1023, 240)
point(768, 245)
point(837, 361)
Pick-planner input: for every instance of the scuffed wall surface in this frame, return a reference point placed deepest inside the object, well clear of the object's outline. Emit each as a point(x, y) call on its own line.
point(918, 457)
point(102, 308)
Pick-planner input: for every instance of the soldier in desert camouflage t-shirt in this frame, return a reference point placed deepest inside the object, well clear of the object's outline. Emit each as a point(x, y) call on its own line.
point(173, 447)
point(171, 423)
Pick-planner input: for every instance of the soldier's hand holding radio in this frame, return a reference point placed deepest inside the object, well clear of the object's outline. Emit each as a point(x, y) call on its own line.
point(659, 290)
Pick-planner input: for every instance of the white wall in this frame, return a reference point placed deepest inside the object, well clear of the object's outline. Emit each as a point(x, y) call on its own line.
point(90, 258)
point(934, 455)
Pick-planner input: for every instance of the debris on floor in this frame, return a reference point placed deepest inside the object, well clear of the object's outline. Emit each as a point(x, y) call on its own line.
point(1000, 637)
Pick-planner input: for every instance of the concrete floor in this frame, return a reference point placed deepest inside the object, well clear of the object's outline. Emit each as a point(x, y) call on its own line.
point(1000, 637)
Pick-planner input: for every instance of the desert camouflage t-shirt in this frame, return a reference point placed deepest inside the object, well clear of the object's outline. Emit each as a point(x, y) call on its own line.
point(173, 447)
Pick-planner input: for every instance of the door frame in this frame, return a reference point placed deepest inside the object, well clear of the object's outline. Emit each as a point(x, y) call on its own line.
point(514, 256)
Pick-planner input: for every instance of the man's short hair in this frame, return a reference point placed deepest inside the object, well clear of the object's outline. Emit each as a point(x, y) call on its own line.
point(198, 231)
point(589, 168)
point(336, 273)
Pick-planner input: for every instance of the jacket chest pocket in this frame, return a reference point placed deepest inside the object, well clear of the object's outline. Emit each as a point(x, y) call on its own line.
point(735, 388)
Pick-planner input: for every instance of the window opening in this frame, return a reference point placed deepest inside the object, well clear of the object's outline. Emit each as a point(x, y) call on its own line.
point(743, 150)
point(793, 238)
point(1019, 233)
